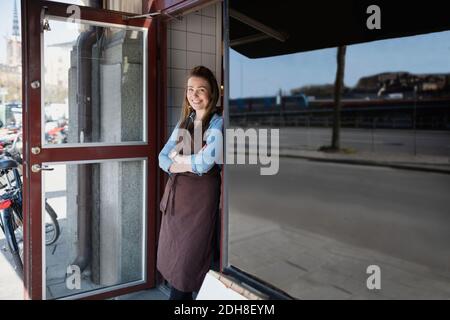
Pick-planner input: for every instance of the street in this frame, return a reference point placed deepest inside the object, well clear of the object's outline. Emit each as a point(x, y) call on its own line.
point(395, 213)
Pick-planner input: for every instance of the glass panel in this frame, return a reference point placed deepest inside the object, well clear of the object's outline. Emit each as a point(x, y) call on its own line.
point(332, 214)
point(99, 208)
point(94, 83)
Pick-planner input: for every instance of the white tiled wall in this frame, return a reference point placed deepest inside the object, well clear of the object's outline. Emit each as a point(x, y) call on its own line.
point(195, 40)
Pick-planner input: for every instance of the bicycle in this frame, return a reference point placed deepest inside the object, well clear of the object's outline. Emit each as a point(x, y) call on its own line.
point(11, 218)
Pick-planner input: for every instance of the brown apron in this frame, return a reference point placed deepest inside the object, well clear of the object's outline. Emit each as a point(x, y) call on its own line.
point(189, 209)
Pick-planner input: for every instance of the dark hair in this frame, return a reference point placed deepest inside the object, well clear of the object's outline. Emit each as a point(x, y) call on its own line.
point(211, 108)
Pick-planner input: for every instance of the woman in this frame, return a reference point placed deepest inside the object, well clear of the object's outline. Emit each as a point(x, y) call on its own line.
point(191, 198)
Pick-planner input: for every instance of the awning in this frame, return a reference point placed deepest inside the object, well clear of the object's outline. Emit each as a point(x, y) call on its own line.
point(268, 28)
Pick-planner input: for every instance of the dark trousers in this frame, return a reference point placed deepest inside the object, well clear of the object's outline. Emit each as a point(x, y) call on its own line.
point(179, 295)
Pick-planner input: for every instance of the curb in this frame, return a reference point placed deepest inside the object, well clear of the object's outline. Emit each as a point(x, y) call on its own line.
point(370, 163)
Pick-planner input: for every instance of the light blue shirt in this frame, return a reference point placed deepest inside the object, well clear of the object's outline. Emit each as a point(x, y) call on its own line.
point(205, 159)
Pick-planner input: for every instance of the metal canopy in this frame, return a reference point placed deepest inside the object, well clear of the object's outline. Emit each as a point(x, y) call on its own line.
point(268, 28)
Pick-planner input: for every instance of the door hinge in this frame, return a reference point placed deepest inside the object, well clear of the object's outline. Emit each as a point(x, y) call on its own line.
point(45, 25)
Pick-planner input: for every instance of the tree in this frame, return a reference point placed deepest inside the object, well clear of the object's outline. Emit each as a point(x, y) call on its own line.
point(338, 88)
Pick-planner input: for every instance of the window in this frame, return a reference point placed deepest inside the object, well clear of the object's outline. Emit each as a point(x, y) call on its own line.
point(320, 227)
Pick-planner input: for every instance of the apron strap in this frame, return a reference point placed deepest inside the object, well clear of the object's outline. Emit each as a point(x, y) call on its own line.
point(169, 195)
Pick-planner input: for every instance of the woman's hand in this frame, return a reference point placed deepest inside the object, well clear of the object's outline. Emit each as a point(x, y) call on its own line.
point(180, 163)
point(178, 158)
point(173, 154)
point(182, 159)
point(180, 167)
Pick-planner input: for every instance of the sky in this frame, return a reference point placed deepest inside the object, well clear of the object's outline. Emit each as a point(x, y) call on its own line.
point(6, 12)
point(429, 53)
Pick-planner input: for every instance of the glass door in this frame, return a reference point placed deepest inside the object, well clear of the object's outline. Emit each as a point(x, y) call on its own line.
point(90, 152)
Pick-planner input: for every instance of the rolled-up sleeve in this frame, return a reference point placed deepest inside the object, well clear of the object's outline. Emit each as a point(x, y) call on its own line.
point(164, 161)
point(212, 152)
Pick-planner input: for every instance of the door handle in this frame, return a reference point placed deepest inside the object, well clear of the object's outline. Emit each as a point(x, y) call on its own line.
point(36, 168)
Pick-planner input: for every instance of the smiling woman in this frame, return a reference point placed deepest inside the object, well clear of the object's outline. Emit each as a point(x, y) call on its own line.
point(191, 198)
point(198, 95)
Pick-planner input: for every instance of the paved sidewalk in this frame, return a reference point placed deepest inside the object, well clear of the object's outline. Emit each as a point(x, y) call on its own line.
point(372, 158)
point(11, 287)
point(311, 266)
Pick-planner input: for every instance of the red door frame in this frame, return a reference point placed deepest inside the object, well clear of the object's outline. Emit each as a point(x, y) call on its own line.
point(31, 26)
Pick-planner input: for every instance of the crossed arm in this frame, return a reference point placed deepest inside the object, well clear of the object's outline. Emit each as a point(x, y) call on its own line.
point(172, 162)
point(180, 163)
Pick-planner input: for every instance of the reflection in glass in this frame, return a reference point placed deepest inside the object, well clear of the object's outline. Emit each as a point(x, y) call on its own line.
point(100, 214)
point(94, 80)
point(315, 228)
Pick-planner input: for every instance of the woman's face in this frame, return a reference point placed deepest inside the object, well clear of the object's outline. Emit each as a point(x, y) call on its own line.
point(198, 93)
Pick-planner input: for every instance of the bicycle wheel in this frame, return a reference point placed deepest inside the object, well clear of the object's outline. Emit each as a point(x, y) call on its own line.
point(7, 222)
point(18, 264)
point(52, 230)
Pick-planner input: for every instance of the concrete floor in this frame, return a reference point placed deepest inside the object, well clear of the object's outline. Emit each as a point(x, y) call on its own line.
point(160, 293)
